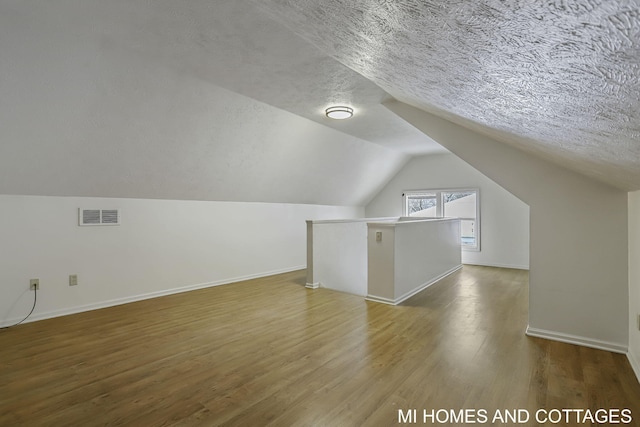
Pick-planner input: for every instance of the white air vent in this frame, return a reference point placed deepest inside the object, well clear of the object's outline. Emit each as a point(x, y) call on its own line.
point(98, 217)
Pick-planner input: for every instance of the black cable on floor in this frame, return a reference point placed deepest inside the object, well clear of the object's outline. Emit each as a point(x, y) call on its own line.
point(35, 298)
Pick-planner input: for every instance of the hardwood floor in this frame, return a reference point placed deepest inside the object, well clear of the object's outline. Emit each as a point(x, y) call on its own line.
point(270, 352)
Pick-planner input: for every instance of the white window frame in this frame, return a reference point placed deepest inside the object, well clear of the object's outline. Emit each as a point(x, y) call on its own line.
point(439, 208)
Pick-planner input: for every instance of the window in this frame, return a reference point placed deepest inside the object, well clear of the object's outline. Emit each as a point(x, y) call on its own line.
point(463, 204)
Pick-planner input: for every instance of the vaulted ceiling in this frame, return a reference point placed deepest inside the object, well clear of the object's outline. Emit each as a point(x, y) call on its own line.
point(559, 78)
point(224, 100)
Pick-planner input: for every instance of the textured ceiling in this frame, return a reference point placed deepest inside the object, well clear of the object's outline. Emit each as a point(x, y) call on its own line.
point(560, 78)
point(233, 44)
point(224, 100)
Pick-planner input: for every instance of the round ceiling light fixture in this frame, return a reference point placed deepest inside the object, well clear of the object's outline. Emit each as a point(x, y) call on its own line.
point(339, 112)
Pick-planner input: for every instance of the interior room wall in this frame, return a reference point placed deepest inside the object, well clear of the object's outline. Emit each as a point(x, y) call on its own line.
point(504, 239)
point(634, 281)
point(578, 271)
point(161, 247)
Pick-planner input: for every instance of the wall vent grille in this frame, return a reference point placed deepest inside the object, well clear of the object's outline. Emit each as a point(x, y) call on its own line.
point(98, 217)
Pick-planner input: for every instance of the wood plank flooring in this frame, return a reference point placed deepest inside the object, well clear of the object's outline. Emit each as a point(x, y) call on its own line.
point(270, 352)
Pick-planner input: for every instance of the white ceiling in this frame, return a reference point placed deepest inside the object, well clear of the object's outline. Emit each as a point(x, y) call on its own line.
point(224, 100)
point(559, 78)
point(201, 100)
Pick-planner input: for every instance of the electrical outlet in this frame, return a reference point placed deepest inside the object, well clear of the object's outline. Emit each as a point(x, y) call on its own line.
point(73, 280)
point(34, 284)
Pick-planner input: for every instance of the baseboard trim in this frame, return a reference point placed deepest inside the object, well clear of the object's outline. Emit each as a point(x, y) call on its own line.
point(119, 301)
point(411, 293)
point(375, 298)
point(635, 364)
point(314, 285)
point(513, 266)
point(574, 339)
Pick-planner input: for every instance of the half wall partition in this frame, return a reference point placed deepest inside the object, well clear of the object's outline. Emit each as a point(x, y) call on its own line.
point(384, 259)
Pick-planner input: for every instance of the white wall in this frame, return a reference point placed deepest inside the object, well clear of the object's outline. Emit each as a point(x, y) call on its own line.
point(425, 251)
point(340, 255)
point(504, 240)
point(578, 270)
point(161, 247)
point(406, 256)
point(634, 281)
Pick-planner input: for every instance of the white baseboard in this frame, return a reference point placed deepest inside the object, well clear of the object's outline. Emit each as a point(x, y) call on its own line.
point(635, 364)
point(411, 293)
point(126, 300)
point(314, 285)
point(382, 300)
point(574, 339)
point(514, 266)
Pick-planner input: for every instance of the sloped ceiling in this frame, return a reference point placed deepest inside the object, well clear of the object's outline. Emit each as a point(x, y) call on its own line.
point(201, 100)
point(224, 100)
point(559, 78)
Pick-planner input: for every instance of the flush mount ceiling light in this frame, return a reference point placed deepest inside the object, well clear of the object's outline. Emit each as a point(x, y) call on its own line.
point(339, 112)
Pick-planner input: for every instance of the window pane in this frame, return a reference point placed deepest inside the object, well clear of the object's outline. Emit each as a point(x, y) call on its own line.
point(462, 204)
point(468, 232)
point(423, 204)
point(459, 204)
